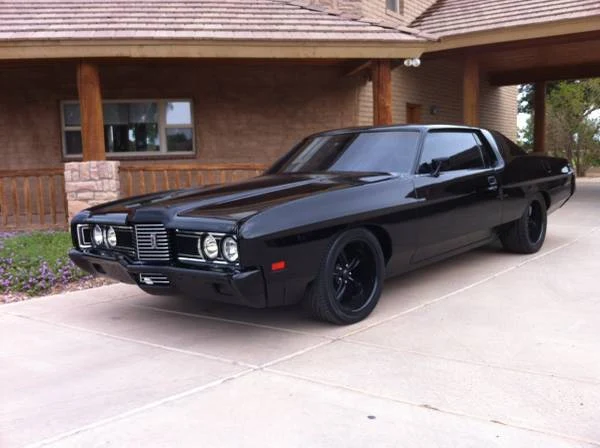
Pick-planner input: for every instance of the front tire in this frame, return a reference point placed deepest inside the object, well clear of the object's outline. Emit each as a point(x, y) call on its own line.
point(527, 234)
point(350, 279)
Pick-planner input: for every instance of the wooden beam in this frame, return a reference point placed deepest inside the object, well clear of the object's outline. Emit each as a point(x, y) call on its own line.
point(471, 92)
point(359, 68)
point(381, 74)
point(90, 101)
point(549, 73)
point(539, 118)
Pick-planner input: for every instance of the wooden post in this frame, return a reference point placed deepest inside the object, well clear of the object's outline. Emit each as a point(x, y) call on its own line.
point(92, 123)
point(471, 92)
point(539, 117)
point(381, 74)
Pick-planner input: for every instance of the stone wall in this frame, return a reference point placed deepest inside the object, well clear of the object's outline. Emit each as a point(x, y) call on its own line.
point(90, 183)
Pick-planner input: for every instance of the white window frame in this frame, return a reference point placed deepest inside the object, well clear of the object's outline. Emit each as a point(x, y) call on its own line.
point(162, 128)
point(398, 11)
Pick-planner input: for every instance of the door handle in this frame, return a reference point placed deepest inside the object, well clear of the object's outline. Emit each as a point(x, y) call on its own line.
point(493, 183)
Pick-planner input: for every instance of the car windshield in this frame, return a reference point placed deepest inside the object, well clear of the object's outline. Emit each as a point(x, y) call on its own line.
point(380, 151)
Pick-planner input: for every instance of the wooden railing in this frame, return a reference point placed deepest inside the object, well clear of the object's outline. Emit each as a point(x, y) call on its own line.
point(141, 179)
point(32, 199)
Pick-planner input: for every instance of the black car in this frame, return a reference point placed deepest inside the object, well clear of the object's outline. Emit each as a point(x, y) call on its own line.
point(329, 221)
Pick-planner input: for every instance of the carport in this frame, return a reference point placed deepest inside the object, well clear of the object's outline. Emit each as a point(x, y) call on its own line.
point(503, 48)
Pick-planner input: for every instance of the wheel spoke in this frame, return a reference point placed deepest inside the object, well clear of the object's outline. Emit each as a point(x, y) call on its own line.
point(343, 258)
point(353, 263)
point(357, 286)
point(340, 290)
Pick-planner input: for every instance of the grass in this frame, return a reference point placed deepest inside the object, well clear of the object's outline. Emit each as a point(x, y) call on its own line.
point(36, 263)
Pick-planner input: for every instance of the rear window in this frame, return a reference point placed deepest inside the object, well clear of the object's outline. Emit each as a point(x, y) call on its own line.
point(508, 148)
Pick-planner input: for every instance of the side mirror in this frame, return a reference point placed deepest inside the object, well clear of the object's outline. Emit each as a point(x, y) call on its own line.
point(436, 165)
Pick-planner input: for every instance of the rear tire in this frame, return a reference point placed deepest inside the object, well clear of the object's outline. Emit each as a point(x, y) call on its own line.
point(526, 235)
point(350, 279)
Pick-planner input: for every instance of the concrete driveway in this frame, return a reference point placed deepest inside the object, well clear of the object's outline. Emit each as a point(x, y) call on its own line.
point(487, 349)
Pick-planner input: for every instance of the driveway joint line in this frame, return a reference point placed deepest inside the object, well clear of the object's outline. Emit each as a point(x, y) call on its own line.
point(126, 414)
point(433, 408)
point(137, 341)
point(230, 321)
point(139, 409)
point(466, 288)
point(470, 362)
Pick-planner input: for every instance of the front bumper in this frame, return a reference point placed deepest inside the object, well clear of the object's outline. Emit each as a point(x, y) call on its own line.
point(241, 288)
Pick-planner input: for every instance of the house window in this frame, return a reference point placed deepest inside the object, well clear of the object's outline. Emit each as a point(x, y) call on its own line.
point(140, 127)
point(393, 6)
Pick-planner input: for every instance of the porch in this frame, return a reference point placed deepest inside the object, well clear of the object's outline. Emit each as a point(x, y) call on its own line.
point(160, 124)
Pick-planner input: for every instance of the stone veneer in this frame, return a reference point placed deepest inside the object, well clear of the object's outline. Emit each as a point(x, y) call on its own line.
point(90, 183)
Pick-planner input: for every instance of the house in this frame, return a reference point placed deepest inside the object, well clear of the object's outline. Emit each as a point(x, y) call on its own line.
point(110, 97)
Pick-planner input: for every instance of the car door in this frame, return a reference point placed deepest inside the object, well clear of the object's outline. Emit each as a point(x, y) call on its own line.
point(458, 185)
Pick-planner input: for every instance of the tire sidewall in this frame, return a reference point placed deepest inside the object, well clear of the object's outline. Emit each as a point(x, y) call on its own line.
point(329, 264)
point(535, 246)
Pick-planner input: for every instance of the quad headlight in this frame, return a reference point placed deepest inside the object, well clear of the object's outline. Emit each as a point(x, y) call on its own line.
point(111, 237)
point(210, 248)
point(98, 236)
point(229, 249)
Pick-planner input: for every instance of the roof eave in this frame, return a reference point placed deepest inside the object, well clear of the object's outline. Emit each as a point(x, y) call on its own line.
point(514, 33)
point(169, 48)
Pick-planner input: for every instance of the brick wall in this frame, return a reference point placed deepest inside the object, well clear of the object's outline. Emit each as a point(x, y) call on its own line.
point(499, 109)
point(243, 112)
point(29, 114)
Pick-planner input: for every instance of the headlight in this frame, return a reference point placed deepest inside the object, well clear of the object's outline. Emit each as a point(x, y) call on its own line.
point(111, 237)
point(97, 235)
point(230, 249)
point(210, 247)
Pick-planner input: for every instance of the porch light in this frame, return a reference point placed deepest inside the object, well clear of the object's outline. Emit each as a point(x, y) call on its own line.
point(412, 62)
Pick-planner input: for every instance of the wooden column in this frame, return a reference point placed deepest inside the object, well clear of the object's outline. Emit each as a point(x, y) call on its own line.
point(381, 74)
point(90, 100)
point(471, 92)
point(539, 117)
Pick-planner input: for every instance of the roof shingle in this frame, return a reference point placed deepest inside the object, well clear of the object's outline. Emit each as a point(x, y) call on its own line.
point(184, 19)
point(452, 17)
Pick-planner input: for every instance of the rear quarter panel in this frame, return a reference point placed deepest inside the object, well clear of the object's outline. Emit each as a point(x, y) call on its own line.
point(525, 176)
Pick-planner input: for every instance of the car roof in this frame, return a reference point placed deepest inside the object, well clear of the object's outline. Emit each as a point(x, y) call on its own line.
point(396, 127)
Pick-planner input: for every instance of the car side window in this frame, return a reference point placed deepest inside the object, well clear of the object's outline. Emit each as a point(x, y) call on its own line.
point(454, 150)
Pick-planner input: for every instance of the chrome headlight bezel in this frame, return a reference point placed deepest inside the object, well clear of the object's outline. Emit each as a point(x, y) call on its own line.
point(210, 247)
point(97, 235)
point(110, 238)
point(231, 241)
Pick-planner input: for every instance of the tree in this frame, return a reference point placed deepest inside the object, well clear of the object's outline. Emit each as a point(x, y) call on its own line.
point(526, 94)
point(572, 128)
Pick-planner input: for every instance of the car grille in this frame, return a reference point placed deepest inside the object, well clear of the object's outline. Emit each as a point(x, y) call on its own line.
point(152, 242)
point(154, 280)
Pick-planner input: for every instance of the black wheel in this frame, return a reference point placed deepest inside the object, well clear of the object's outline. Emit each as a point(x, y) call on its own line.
point(527, 234)
point(350, 279)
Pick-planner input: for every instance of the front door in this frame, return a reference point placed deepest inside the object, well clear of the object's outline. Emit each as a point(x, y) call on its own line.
point(462, 203)
point(413, 113)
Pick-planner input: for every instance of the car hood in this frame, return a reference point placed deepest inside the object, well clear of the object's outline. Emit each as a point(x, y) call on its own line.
point(238, 201)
